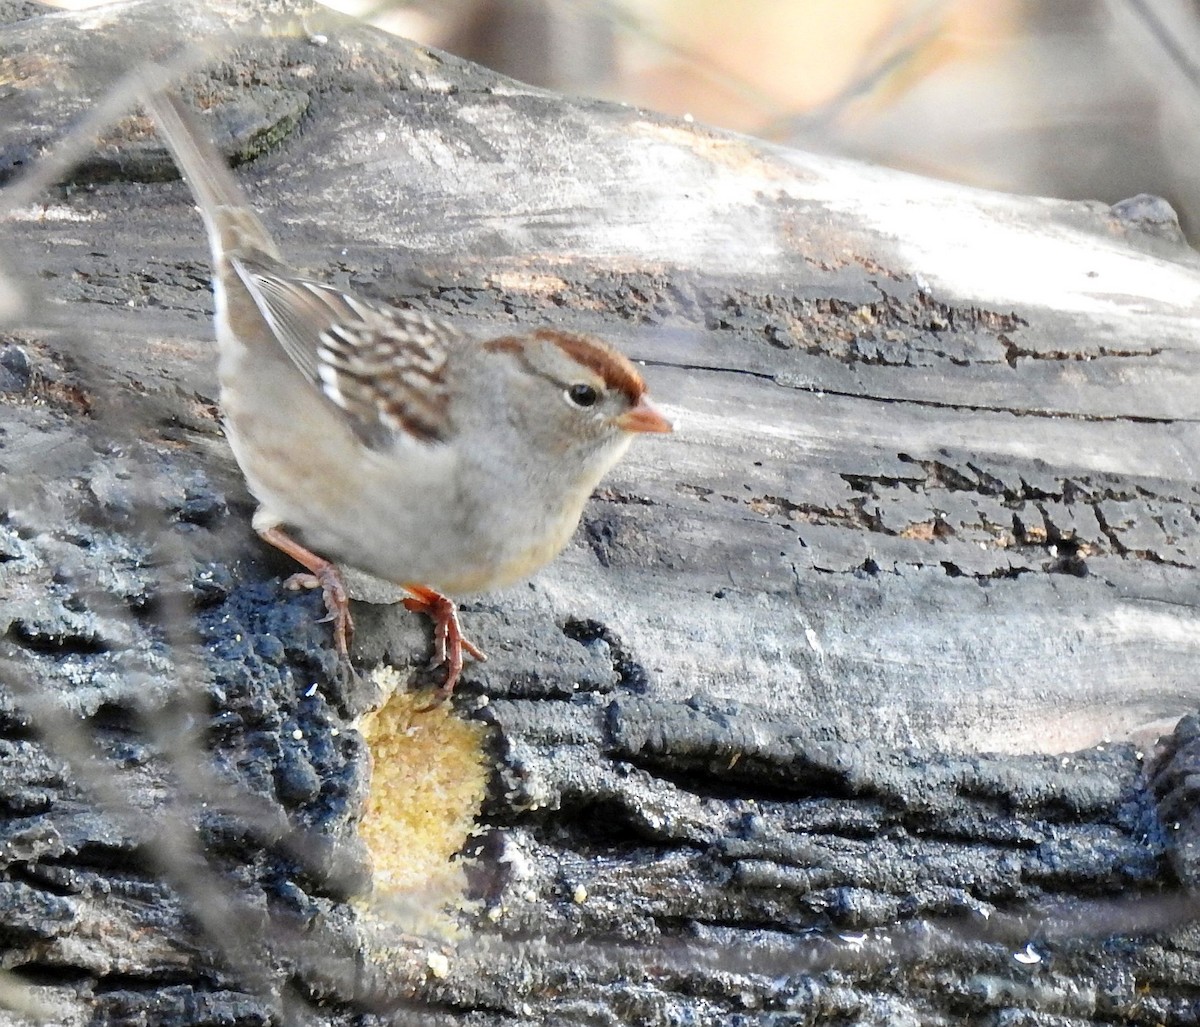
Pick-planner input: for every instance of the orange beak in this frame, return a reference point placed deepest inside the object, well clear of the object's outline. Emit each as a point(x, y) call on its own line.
point(644, 418)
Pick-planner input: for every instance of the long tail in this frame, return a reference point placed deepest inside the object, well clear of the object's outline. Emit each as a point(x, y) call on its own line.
point(232, 224)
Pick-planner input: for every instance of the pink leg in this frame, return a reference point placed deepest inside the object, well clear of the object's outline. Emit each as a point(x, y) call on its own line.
point(322, 574)
point(448, 641)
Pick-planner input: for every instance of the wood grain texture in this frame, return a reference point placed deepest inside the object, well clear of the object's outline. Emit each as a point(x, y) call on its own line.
point(789, 731)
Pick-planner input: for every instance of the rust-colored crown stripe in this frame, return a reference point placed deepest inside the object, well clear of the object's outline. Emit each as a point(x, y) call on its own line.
point(613, 369)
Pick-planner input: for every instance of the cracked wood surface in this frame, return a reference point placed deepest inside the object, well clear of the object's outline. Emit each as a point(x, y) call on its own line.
point(973, 494)
point(933, 495)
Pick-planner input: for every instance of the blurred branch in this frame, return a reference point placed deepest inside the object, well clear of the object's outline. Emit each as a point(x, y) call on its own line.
point(1174, 27)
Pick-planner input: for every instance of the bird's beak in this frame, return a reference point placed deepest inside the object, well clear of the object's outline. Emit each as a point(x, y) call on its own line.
point(644, 418)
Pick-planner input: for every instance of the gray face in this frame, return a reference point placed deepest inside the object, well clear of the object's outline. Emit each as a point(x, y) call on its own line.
point(568, 410)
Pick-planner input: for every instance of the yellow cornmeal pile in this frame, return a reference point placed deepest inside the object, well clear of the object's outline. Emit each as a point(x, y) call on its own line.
point(428, 781)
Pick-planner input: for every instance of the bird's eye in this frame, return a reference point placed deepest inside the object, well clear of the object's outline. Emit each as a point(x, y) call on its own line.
point(582, 395)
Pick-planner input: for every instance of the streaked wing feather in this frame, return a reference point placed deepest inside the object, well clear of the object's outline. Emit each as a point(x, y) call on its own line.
point(382, 366)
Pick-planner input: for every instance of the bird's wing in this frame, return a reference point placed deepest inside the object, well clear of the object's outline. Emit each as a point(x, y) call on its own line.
point(382, 366)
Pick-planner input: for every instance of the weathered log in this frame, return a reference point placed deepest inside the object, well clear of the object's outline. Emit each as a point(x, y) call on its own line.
point(785, 733)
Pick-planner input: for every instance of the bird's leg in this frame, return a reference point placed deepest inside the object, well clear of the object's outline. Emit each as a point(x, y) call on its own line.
point(321, 574)
point(448, 641)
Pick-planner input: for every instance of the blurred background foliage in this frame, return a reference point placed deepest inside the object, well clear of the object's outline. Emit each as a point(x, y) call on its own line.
point(1081, 99)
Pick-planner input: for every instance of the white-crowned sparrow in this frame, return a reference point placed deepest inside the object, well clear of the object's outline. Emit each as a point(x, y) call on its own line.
point(388, 440)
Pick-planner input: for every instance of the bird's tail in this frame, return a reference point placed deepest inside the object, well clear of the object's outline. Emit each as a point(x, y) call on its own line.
point(232, 224)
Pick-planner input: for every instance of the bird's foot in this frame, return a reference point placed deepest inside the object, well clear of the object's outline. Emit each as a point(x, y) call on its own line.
point(449, 643)
point(323, 574)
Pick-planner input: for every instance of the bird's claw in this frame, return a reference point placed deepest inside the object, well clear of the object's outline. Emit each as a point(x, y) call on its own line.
point(449, 644)
point(337, 603)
